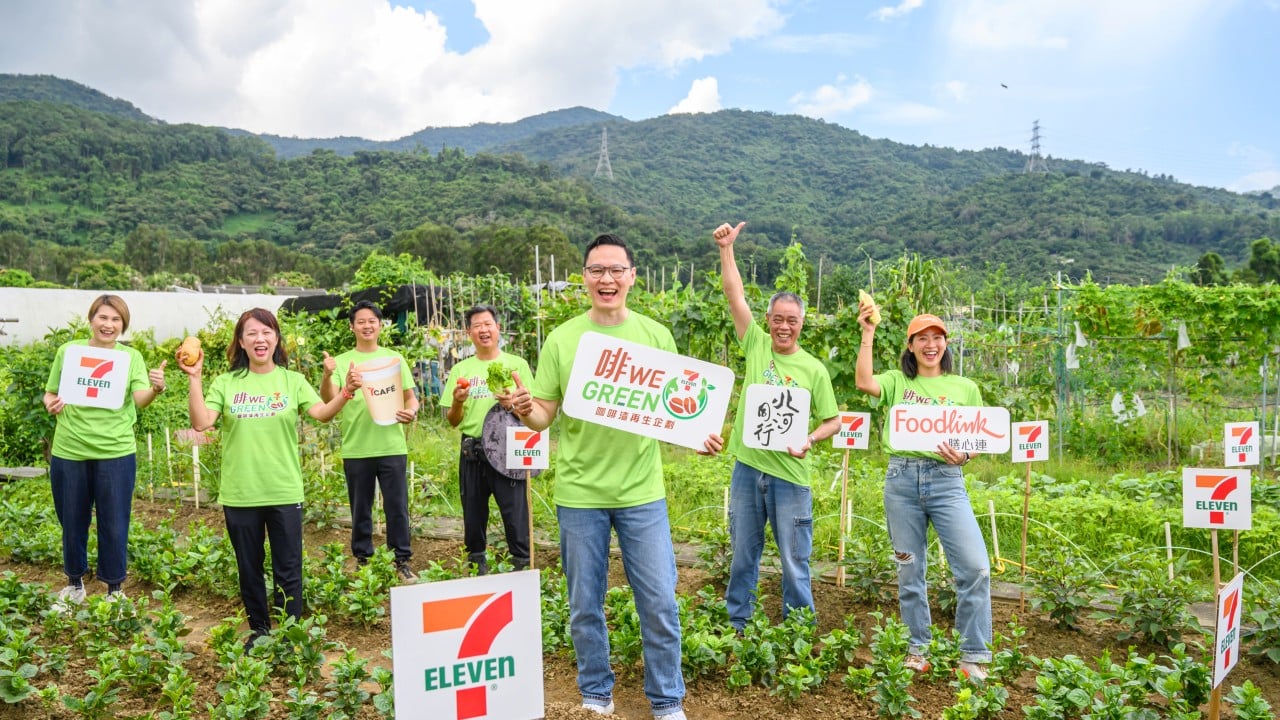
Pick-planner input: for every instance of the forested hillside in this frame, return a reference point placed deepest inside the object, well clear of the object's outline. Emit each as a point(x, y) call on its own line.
point(853, 196)
point(89, 197)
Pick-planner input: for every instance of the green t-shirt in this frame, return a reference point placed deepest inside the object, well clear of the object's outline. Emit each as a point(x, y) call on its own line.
point(897, 389)
point(479, 399)
point(260, 435)
point(597, 466)
point(361, 436)
point(90, 433)
point(799, 369)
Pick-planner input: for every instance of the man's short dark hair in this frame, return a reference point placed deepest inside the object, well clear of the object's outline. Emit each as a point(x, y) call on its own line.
point(476, 310)
point(609, 239)
point(364, 305)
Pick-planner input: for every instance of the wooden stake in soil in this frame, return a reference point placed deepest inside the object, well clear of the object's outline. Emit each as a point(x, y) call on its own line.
point(1168, 549)
point(195, 471)
point(844, 514)
point(528, 501)
point(1026, 507)
point(151, 471)
point(995, 537)
point(168, 454)
point(1215, 697)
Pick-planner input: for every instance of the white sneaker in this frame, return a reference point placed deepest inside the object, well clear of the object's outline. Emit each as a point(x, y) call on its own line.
point(116, 596)
point(677, 715)
point(598, 709)
point(68, 596)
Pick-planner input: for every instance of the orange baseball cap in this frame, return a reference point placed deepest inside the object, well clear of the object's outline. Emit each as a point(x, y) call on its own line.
point(920, 323)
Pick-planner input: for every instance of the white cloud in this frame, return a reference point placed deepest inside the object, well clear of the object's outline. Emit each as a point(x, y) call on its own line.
point(703, 97)
point(829, 101)
point(822, 43)
point(902, 8)
point(1262, 180)
point(957, 90)
point(364, 67)
point(910, 113)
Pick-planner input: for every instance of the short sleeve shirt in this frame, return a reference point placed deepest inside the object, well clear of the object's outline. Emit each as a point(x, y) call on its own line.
point(947, 389)
point(260, 411)
point(91, 433)
point(361, 436)
point(597, 466)
point(798, 369)
point(479, 397)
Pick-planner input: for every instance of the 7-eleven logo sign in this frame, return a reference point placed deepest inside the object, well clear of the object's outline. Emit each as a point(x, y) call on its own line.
point(97, 378)
point(1240, 444)
point(527, 449)
point(852, 434)
point(469, 649)
point(1217, 499)
point(1226, 644)
point(1030, 441)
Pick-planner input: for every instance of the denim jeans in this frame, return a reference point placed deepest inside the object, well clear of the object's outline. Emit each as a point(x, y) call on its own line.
point(249, 529)
point(919, 491)
point(644, 536)
point(78, 487)
point(388, 474)
point(754, 498)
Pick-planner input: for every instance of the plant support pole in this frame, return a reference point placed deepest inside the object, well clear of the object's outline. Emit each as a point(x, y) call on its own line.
point(195, 471)
point(528, 501)
point(1026, 509)
point(844, 513)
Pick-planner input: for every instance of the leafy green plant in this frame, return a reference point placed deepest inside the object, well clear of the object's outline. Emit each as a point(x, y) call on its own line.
point(1264, 614)
point(1248, 703)
point(1064, 585)
point(977, 703)
point(715, 554)
point(1152, 607)
point(345, 690)
point(108, 682)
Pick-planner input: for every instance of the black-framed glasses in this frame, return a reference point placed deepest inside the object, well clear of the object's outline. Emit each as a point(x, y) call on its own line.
point(598, 271)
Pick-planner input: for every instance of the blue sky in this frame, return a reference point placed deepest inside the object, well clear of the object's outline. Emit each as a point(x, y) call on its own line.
point(1179, 87)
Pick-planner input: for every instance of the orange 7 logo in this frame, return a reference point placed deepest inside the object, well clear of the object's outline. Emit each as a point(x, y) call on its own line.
point(485, 625)
point(530, 439)
point(855, 422)
point(1242, 435)
point(1221, 491)
point(1033, 433)
point(101, 368)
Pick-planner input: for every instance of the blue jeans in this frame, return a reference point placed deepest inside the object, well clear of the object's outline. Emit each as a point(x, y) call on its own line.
point(644, 536)
point(754, 498)
point(80, 486)
point(919, 491)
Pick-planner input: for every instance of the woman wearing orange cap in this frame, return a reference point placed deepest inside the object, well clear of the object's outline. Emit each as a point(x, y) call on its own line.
point(928, 487)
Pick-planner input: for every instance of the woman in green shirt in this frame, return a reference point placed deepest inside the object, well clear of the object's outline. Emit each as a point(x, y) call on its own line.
point(93, 462)
point(259, 402)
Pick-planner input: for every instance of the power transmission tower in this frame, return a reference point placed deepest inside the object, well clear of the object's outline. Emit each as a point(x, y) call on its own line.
point(603, 168)
point(1036, 163)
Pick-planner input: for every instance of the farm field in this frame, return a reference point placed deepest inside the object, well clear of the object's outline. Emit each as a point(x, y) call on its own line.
point(362, 638)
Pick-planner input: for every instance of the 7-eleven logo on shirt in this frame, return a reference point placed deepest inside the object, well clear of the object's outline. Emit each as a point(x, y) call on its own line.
point(1031, 441)
point(1217, 499)
point(853, 432)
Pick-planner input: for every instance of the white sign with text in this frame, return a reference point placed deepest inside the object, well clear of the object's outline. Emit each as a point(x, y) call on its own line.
point(775, 418)
point(638, 389)
point(973, 430)
point(469, 648)
point(94, 377)
point(1217, 499)
point(528, 449)
point(1030, 441)
point(854, 432)
point(1241, 444)
point(1226, 636)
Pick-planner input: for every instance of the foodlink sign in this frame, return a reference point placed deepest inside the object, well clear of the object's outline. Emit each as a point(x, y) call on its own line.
point(1216, 499)
point(469, 648)
point(94, 377)
point(642, 390)
point(968, 429)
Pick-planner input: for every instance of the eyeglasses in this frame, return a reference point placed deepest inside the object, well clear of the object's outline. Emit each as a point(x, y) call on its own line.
point(597, 271)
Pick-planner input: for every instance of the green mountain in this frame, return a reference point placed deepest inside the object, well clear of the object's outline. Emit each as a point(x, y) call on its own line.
point(47, 88)
point(848, 196)
point(77, 184)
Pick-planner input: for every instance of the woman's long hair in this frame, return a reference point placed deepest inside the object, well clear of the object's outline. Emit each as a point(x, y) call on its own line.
point(236, 355)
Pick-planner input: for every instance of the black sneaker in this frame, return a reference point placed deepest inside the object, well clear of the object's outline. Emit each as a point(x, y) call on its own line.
point(406, 573)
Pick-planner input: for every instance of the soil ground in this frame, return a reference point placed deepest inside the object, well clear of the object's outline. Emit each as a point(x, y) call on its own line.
point(708, 698)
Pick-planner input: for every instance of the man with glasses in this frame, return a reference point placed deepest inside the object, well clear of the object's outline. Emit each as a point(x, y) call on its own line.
point(610, 480)
point(769, 486)
point(469, 396)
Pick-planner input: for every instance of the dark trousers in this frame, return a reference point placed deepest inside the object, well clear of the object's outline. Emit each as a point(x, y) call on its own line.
point(249, 528)
point(80, 486)
point(477, 481)
point(388, 474)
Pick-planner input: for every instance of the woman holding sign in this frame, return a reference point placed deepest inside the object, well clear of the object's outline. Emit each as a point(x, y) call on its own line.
point(95, 389)
point(928, 487)
point(259, 402)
